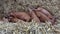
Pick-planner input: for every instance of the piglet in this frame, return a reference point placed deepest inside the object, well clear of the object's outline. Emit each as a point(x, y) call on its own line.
point(44, 11)
point(20, 15)
point(44, 15)
point(33, 15)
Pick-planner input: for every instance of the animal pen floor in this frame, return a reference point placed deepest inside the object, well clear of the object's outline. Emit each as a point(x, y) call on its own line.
point(29, 28)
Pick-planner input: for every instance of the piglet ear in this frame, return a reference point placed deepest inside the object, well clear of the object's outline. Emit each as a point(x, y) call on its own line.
point(39, 8)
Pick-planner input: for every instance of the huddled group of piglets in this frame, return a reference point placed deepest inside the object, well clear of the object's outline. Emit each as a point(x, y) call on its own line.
point(39, 15)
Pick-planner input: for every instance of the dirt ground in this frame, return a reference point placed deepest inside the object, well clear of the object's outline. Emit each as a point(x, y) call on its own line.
point(19, 5)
